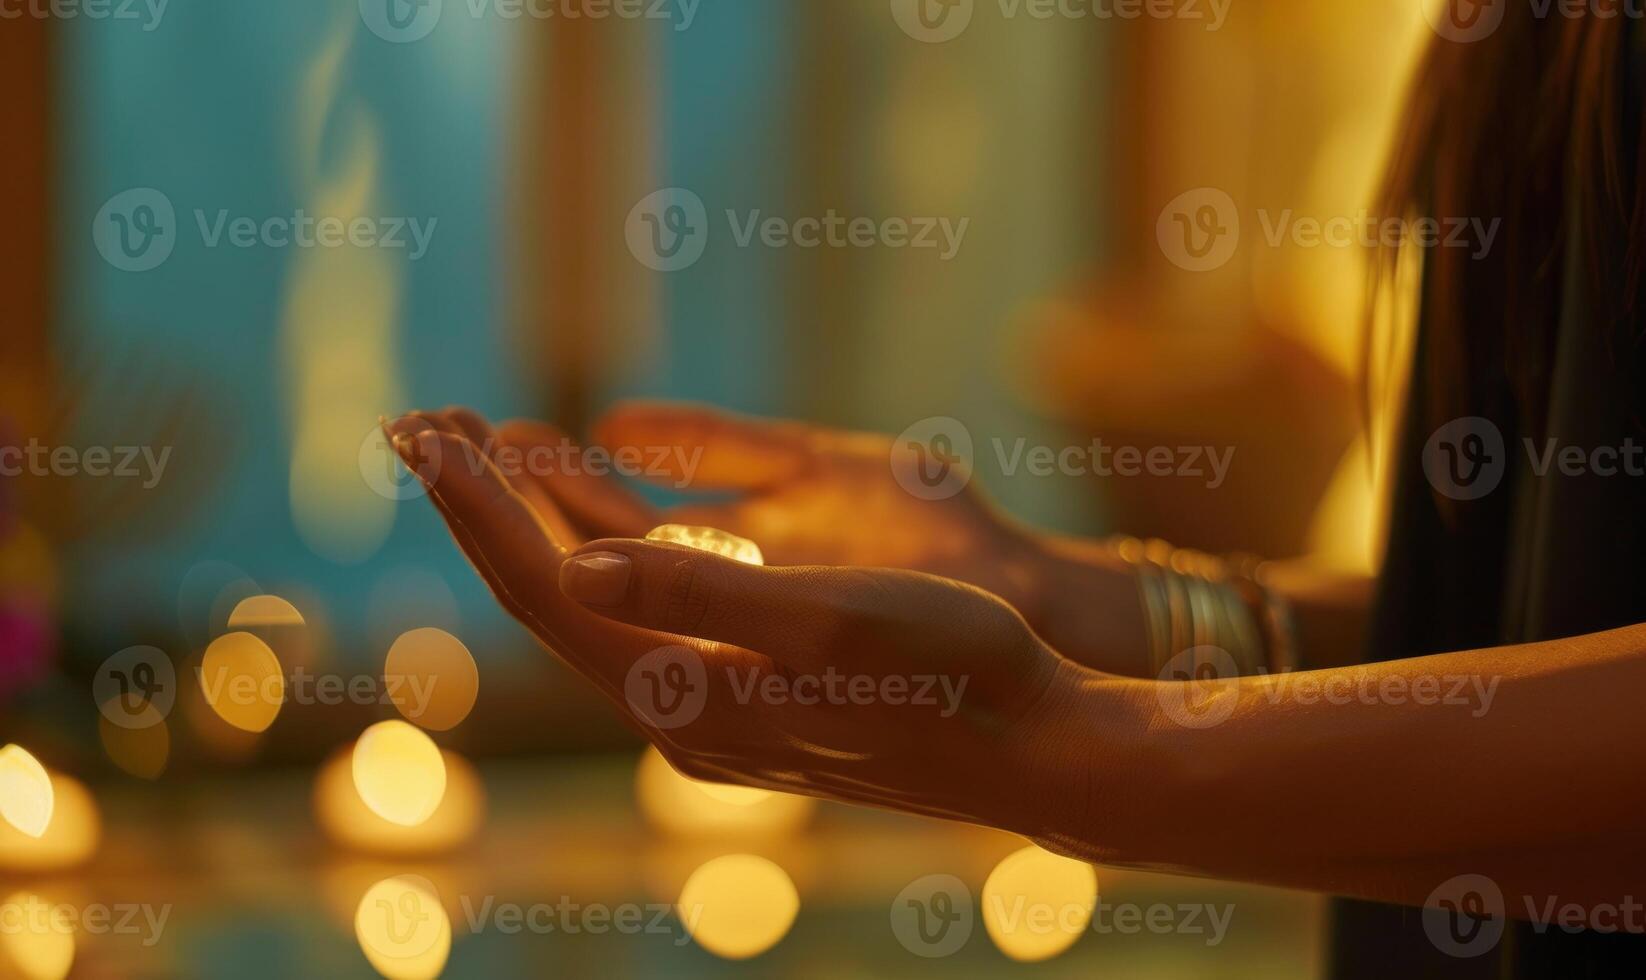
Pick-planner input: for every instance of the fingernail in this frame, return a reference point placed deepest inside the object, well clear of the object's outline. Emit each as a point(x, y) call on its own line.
point(597, 579)
point(417, 452)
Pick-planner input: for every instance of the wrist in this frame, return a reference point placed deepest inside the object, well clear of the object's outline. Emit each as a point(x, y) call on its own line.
point(1101, 776)
point(1088, 606)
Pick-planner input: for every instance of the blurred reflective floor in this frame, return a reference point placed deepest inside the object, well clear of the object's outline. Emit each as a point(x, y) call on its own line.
point(567, 879)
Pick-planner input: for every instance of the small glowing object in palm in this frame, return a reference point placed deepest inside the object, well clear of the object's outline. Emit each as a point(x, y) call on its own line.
point(711, 540)
point(26, 795)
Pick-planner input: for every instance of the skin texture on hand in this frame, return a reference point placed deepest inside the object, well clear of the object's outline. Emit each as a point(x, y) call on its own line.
point(1383, 780)
point(885, 687)
point(814, 496)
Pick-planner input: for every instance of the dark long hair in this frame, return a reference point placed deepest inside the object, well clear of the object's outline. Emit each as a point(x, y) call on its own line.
point(1538, 124)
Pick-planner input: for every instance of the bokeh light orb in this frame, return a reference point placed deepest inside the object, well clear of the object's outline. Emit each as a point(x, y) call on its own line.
point(398, 772)
point(738, 906)
point(347, 820)
point(26, 796)
point(432, 678)
point(403, 930)
point(69, 841)
point(142, 746)
point(689, 808)
point(1036, 904)
point(241, 679)
point(38, 943)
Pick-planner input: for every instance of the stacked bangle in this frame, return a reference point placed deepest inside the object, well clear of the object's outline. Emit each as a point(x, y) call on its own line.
point(1194, 600)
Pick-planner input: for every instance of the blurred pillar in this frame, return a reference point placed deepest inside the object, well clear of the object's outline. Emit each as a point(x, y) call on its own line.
point(25, 237)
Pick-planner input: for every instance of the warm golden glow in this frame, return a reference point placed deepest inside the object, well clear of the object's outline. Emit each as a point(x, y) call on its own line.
point(37, 942)
point(346, 819)
point(738, 906)
point(264, 610)
point(242, 681)
point(26, 796)
point(69, 841)
point(141, 749)
point(399, 773)
point(709, 539)
point(339, 329)
point(403, 930)
point(432, 678)
point(1036, 904)
point(685, 807)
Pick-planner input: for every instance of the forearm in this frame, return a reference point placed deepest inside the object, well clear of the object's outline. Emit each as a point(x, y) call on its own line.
point(1087, 606)
point(1383, 780)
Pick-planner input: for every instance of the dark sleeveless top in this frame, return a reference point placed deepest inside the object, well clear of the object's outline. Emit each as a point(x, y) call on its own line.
point(1541, 557)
